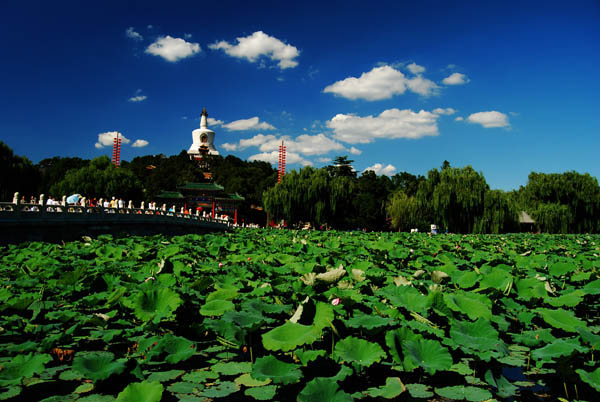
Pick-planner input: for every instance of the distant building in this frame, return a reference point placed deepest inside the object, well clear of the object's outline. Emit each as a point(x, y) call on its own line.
point(202, 140)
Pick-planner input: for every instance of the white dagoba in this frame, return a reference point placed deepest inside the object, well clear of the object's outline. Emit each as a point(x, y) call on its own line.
point(203, 138)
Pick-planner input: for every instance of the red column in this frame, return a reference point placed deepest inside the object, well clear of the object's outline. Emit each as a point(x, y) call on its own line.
point(235, 216)
point(213, 212)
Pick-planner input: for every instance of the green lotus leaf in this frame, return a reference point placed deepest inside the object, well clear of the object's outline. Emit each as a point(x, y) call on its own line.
point(247, 381)
point(11, 392)
point(426, 353)
point(97, 398)
point(216, 308)
point(183, 387)
point(392, 388)
point(21, 367)
point(145, 391)
point(200, 376)
point(459, 392)
point(306, 356)
point(84, 388)
point(593, 378)
point(478, 335)
point(558, 348)
point(222, 294)
point(323, 390)
point(505, 388)
point(408, 297)
point(561, 268)
point(164, 376)
point(534, 337)
point(530, 288)
point(232, 368)
point(359, 351)
point(561, 319)
point(394, 339)
point(589, 338)
point(177, 348)
point(221, 390)
point(592, 288)
point(419, 390)
point(497, 279)
point(245, 319)
point(268, 367)
point(97, 365)
point(291, 335)
point(367, 321)
point(154, 303)
point(472, 304)
point(570, 299)
point(265, 393)
point(464, 279)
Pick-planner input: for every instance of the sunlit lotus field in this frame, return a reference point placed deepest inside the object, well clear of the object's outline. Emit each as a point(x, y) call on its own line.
point(301, 315)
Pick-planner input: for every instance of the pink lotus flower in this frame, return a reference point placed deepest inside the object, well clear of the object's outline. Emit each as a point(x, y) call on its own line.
point(336, 301)
point(220, 265)
point(248, 258)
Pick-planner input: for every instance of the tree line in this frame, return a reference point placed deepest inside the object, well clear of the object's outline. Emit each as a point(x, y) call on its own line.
point(456, 199)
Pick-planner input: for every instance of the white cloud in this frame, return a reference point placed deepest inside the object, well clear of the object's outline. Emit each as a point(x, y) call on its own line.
point(173, 49)
point(379, 169)
point(447, 111)
point(138, 98)
point(459, 118)
point(260, 44)
point(489, 119)
point(248, 124)
point(391, 123)
point(380, 83)
point(355, 151)
point(130, 32)
point(323, 160)
point(456, 79)
point(229, 147)
point(415, 68)
point(106, 139)
point(422, 86)
point(273, 157)
point(214, 122)
point(139, 143)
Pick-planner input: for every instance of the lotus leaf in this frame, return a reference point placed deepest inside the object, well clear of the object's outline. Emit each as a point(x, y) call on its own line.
point(478, 335)
point(392, 388)
point(183, 387)
point(408, 297)
point(359, 351)
point(505, 388)
point(419, 391)
point(473, 305)
point(265, 393)
point(220, 390)
point(323, 390)
point(331, 275)
point(589, 338)
point(306, 356)
point(464, 279)
point(177, 348)
point(222, 294)
point(561, 319)
point(558, 348)
point(232, 368)
point(10, 392)
point(530, 288)
point(561, 268)
point(164, 376)
point(217, 307)
point(97, 365)
point(570, 299)
point(21, 367)
point(97, 398)
point(459, 392)
point(425, 353)
point(394, 339)
point(592, 288)
point(268, 367)
point(247, 381)
point(593, 378)
point(154, 304)
point(200, 376)
point(367, 321)
point(146, 391)
point(497, 279)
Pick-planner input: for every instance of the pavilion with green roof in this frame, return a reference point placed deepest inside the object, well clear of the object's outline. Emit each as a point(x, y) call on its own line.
point(202, 196)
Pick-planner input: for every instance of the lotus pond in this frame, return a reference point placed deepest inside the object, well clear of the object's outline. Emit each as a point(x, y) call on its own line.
point(307, 316)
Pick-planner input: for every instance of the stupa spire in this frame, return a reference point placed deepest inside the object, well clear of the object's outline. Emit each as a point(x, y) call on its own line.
point(203, 123)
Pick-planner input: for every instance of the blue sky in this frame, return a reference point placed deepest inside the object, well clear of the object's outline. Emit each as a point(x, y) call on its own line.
point(507, 87)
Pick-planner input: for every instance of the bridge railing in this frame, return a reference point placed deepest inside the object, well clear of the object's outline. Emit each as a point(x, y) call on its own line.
point(26, 210)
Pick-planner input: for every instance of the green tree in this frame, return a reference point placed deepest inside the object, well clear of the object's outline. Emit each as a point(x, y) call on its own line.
point(404, 211)
point(500, 214)
point(54, 169)
point(342, 166)
point(100, 179)
point(18, 175)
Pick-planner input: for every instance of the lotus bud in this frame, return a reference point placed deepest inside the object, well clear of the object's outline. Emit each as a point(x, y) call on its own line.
point(220, 265)
point(335, 301)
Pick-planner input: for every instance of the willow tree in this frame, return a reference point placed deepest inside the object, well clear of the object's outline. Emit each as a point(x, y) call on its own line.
point(500, 214)
point(403, 211)
point(453, 197)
